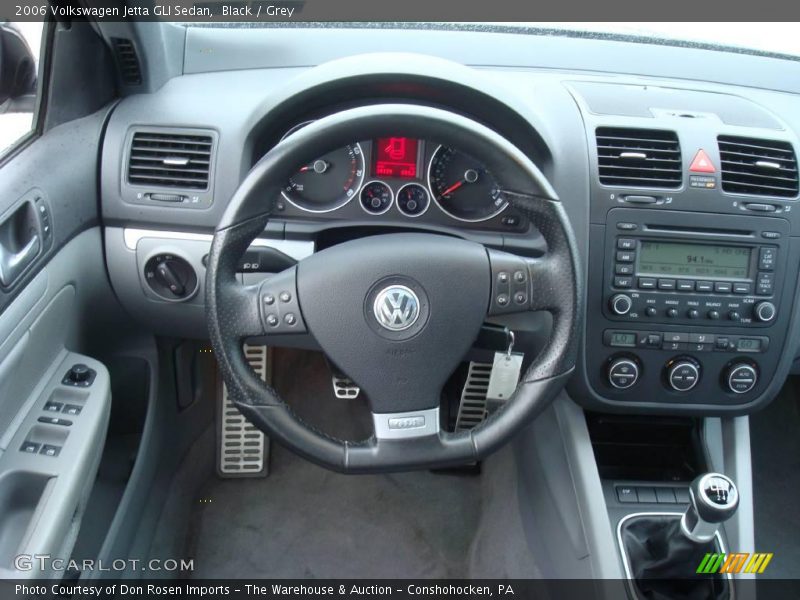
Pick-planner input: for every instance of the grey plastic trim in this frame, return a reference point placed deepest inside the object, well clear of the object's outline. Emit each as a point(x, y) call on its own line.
point(406, 425)
point(297, 249)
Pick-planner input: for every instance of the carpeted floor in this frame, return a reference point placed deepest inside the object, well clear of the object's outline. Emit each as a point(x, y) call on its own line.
point(307, 522)
point(775, 442)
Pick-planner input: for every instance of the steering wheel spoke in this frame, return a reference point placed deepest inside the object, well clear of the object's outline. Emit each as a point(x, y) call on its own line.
point(278, 305)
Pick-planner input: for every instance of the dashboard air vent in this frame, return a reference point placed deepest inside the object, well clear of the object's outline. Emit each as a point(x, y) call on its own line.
point(128, 61)
point(170, 160)
point(757, 167)
point(647, 158)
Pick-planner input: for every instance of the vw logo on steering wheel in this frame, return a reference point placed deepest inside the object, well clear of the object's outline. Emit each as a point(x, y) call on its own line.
point(396, 308)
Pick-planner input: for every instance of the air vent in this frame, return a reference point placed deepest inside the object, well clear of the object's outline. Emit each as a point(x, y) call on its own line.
point(128, 61)
point(170, 160)
point(645, 158)
point(757, 167)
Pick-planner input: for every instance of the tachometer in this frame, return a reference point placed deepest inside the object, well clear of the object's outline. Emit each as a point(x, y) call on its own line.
point(329, 182)
point(462, 187)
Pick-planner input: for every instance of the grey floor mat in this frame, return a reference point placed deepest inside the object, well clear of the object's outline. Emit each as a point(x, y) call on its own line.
point(775, 443)
point(307, 522)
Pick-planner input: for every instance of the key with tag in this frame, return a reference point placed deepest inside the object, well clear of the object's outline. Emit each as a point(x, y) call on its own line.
point(505, 373)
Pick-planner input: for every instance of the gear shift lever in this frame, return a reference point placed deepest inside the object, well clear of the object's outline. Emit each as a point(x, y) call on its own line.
point(713, 499)
point(664, 551)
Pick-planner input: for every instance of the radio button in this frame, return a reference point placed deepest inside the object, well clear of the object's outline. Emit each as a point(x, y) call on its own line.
point(627, 226)
point(623, 282)
point(723, 287)
point(770, 235)
point(765, 284)
point(704, 286)
point(621, 304)
point(765, 311)
point(647, 283)
point(766, 258)
point(713, 315)
point(742, 288)
point(666, 284)
point(685, 285)
point(623, 269)
point(626, 244)
point(625, 256)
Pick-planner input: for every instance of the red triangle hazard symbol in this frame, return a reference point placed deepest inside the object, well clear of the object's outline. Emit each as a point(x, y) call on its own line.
point(702, 164)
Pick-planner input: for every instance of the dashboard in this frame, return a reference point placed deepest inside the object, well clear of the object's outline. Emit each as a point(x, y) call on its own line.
point(682, 191)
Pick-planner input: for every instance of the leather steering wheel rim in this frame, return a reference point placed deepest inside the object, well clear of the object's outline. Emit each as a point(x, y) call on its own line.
point(235, 312)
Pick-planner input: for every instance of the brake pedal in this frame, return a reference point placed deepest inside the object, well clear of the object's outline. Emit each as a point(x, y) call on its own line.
point(344, 388)
point(243, 450)
point(472, 409)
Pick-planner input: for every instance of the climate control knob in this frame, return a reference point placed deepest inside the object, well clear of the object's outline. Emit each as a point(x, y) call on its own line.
point(741, 378)
point(765, 311)
point(621, 304)
point(623, 373)
point(683, 374)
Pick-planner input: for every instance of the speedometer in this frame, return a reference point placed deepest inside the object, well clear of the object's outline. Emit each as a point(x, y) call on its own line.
point(462, 187)
point(329, 182)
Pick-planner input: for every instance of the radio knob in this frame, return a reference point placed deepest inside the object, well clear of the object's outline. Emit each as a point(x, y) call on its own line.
point(734, 315)
point(741, 378)
point(765, 311)
point(623, 373)
point(621, 304)
point(683, 374)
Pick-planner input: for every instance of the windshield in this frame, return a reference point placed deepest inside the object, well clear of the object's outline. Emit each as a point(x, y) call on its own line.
point(769, 38)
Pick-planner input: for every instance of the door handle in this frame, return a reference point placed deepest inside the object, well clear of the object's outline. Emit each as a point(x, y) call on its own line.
point(13, 263)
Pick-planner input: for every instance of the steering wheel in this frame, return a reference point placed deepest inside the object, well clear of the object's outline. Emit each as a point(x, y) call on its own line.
point(396, 312)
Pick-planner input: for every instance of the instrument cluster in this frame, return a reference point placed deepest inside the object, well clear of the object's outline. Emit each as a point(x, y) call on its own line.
point(405, 176)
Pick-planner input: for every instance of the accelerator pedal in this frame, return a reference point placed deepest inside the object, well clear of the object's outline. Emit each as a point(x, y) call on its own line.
point(472, 409)
point(243, 450)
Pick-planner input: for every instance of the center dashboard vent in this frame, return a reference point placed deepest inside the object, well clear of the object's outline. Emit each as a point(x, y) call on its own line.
point(645, 158)
point(173, 160)
point(757, 167)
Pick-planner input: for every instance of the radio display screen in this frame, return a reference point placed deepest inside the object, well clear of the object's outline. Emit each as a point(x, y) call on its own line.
point(693, 260)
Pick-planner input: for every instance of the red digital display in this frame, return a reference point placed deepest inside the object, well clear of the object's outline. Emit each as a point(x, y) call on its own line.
point(395, 157)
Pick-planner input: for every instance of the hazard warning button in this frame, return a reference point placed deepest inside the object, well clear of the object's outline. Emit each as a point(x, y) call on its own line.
point(702, 164)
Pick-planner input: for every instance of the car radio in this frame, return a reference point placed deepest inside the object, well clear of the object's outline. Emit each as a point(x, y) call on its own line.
point(715, 277)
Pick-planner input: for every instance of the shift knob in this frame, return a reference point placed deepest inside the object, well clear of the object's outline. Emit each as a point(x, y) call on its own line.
point(713, 499)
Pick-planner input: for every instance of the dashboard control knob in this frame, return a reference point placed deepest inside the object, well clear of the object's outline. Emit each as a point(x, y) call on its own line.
point(713, 315)
point(741, 378)
point(693, 313)
point(683, 374)
point(623, 373)
point(765, 311)
point(650, 311)
point(79, 373)
point(672, 313)
point(734, 315)
point(171, 277)
point(621, 304)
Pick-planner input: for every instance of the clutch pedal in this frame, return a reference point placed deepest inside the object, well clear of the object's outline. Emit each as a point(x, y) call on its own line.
point(473, 408)
point(243, 450)
point(344, 388)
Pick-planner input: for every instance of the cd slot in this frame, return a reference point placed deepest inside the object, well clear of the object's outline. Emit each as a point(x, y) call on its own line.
point(700, 231)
